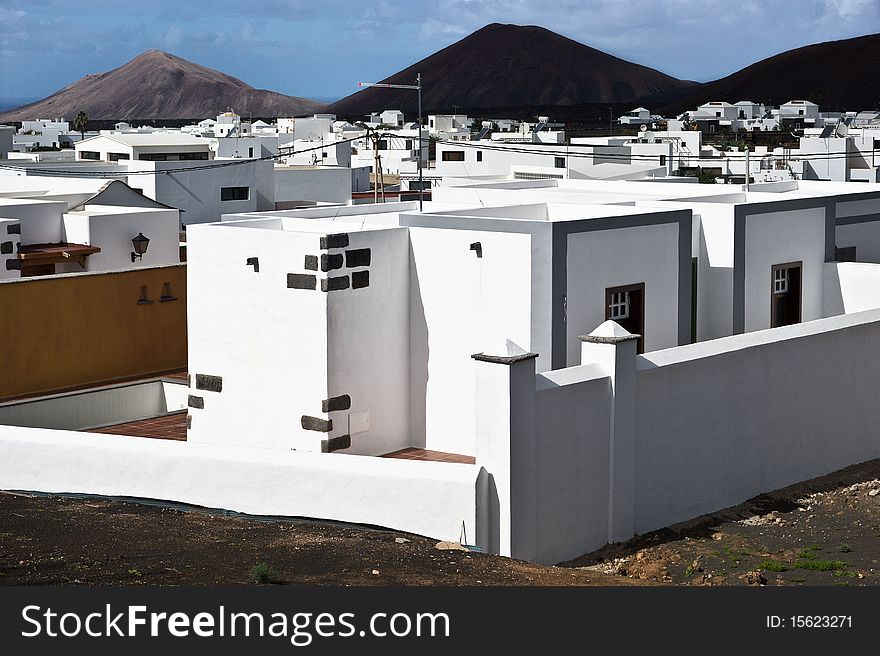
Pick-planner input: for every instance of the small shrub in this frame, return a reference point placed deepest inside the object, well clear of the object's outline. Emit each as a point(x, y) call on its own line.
point(135, 572)
point(773, 566)
point(820, 565)
point(844, 548)
point(261, 573)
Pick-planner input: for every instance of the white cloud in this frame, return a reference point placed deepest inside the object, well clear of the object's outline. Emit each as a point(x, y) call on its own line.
point(173, 37)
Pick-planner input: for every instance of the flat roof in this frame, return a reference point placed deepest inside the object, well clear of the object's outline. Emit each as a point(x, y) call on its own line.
point(152, 139)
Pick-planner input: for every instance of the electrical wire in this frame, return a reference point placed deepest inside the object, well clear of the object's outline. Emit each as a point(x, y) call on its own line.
point(636, 156)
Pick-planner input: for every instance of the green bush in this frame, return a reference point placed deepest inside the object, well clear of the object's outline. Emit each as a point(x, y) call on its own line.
point(261, 573)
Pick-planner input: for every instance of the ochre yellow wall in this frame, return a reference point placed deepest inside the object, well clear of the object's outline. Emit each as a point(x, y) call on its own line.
point(67, 331)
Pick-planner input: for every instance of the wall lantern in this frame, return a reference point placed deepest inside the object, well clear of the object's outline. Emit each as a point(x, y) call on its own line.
point(139, 244)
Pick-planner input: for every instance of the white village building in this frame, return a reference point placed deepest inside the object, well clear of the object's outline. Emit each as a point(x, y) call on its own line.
point(571, 361)
point(51, 225)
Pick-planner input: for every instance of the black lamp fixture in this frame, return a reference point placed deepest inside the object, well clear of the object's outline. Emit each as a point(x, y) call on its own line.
point(139, 244)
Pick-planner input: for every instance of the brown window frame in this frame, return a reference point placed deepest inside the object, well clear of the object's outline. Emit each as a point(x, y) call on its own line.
point(799, 265)
point(638, 287)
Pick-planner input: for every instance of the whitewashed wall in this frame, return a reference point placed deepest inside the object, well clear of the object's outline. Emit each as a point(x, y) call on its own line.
point(327, 184)
point(851, 287)
point(460, 305)
point(40, 219)
point(427, 498)
point(723, 421)
point(778, 238)
point(611, 258)
point(571, 463)
point(10, 239)
point(368, 343)
point(266, 341)
point(113, 231)
point(695, 429)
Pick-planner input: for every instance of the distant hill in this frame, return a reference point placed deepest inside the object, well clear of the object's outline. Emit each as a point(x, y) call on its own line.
point(157, 85)
point(838, 75)
point(514, 66)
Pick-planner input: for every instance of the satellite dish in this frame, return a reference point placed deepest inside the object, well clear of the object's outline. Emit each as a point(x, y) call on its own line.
point(842, 129)
point(643, 128)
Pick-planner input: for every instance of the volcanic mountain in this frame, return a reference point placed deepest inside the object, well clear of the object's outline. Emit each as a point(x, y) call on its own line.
point(514, 66)
point(158, 85)
point(836, 75)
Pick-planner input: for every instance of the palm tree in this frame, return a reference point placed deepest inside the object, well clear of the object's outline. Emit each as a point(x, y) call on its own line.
point(80, 123)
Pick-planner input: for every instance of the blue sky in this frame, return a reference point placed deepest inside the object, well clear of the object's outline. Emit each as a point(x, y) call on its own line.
point(321, 49)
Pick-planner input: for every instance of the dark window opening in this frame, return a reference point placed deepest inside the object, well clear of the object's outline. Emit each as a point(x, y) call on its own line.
point(234, 193)
point(785, 294)
point(559, 162)
point(626, 306)
point(453, 155)
point(89, 154)
point(115, 157)
point(479, 155)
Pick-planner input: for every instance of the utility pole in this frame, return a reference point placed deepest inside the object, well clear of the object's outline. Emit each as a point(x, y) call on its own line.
point(417, 87)
point(748, 173)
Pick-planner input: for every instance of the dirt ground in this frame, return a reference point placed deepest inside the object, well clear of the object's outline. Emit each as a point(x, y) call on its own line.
point(825, 531)
point(62, 540)
point(821, 532)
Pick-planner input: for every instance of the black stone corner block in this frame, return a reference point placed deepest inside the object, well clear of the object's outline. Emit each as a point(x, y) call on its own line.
point(360, 279)
point(334, 241)
point(330, 262)
point(317, 424)
point(13, 229)
point(209, 383)
point(197, 402)
point(254, 262)
point(13, 264)
point(358, 257)
point(335, 443)
point(189, 421)
point(301, 281)
point(311, 263)
point(336, 403)
point(5, 247)
point(189, 380)
point(334, 284)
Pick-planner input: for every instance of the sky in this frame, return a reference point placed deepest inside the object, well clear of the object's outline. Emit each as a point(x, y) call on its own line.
point(321, 48)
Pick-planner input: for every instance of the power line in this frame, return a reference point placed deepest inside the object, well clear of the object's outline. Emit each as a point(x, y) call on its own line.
point(639, 156)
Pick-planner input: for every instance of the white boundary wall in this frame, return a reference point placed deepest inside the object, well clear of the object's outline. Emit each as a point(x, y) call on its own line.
point(427, 498)
point(626, 444)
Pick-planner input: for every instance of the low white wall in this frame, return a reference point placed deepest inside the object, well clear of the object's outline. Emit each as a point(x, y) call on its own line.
point(625, 444)
point(427, 498)
point(719, 422)
point(571, 461)
point(97, 407)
